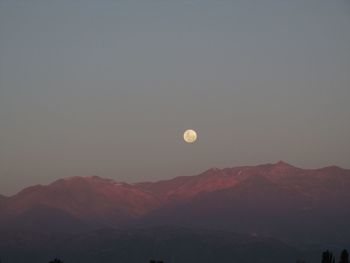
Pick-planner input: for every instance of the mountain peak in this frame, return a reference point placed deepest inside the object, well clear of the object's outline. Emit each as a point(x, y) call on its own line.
point(283, 164)
point(333, 167)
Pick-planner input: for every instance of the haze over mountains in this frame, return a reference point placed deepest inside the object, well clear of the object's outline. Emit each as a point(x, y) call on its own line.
point(264, 203)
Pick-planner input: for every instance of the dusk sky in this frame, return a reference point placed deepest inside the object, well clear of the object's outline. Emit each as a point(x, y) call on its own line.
point(108, 87)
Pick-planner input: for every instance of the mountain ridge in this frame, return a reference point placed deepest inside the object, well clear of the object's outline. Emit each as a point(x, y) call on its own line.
point(280, 194)
point(278, 165)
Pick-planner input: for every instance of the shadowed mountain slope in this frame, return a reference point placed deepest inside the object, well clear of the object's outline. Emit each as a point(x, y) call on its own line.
point(140, 245)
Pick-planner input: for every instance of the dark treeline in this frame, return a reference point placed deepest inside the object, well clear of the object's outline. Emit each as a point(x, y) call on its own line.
point(56, 260)
point(327, 257)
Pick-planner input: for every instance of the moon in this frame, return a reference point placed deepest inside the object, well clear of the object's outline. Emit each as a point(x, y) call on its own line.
point(190, 136)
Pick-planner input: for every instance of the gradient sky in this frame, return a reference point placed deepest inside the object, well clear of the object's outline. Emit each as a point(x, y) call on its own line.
point(108, 87)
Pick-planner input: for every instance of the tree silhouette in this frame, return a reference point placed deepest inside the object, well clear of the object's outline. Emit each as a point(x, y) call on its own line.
point(344, 257)
point(327, 257)
point(56, 260)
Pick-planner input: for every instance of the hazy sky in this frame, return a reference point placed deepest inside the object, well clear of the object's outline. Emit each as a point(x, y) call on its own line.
point(108, 87)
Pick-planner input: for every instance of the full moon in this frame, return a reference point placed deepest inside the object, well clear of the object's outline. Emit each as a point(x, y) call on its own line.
point(190, 136)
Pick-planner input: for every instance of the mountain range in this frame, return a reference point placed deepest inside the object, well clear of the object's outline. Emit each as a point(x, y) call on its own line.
point(278, 205)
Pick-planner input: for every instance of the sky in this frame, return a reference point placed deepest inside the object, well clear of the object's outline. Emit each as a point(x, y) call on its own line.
point(107, 88)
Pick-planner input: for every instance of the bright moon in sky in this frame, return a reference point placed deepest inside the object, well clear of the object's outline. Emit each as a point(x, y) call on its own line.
point(190, 136)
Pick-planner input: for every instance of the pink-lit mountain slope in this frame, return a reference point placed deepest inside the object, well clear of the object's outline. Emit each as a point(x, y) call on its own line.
point(312, 182)
point(85, 198)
